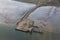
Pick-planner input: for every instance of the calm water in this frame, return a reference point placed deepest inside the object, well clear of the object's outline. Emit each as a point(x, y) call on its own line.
point(9, 33)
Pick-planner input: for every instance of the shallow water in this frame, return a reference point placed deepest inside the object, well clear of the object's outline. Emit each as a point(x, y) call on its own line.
point(9, 33)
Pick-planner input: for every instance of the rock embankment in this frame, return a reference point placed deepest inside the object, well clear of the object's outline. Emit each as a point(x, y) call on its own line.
point(45, 18)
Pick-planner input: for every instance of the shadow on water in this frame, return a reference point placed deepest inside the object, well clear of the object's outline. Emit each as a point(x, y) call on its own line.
point(37, 36)
point(9, 33)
